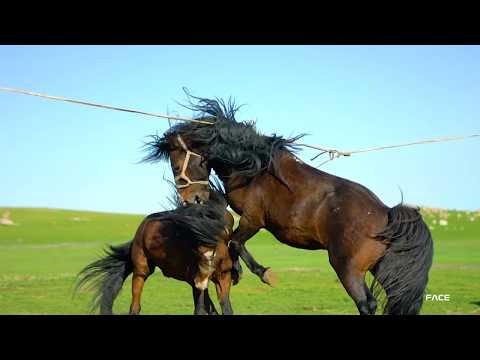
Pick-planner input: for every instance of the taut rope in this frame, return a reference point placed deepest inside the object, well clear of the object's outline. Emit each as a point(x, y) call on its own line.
point(20, 91)
point(333, 153)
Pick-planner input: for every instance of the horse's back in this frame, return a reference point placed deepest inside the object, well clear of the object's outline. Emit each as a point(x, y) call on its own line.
point(168, 245)
point(317, 207)
point(163, 247)
point(352, 201)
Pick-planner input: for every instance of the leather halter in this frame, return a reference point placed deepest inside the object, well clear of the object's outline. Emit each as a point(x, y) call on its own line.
point(183, 175)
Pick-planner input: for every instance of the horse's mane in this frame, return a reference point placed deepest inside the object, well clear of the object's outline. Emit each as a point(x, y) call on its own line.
point(198, 223)
point(227, 142)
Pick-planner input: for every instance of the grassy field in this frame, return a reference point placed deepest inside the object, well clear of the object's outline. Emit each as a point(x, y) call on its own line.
point(42, 253)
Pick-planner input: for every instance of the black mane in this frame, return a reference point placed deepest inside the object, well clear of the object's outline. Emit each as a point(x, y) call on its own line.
point(198, 223)
point(227, 142)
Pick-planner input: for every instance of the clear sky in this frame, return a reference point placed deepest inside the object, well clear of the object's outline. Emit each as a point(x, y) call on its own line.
point(61, 155)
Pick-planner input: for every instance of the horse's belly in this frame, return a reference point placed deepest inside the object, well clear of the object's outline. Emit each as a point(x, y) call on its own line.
point(173, 267)
point(297, 238)
point(174, 275)
point(173, 272)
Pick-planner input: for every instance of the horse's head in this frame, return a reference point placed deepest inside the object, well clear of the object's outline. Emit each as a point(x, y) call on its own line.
point(190, 170)
point(234, 149)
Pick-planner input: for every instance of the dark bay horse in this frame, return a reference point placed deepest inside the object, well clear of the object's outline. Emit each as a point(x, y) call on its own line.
point(189, 244)
point(302, 207)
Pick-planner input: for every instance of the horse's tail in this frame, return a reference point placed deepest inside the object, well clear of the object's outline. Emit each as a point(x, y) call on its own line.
point(403, 270)
point(106, 276)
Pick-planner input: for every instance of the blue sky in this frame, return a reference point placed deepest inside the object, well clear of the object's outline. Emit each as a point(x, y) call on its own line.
point(62, 155)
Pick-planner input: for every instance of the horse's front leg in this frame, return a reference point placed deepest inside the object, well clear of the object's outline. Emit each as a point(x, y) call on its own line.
point(209, 306)
point(222, 284)
point(246, 230)
point(199, 301)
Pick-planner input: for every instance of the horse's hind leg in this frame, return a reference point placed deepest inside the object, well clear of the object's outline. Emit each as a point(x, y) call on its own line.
point(353, 280)
point(142, 269)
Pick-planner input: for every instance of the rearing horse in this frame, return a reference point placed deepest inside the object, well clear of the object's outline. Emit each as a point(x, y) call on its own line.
point(301, 206)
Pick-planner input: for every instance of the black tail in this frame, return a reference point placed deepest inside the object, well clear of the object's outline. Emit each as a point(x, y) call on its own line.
point(403, 271)
point(106, 277)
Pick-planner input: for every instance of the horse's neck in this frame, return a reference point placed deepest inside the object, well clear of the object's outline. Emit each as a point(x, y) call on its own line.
point(234, 182)
point(291, 171)
point(296, 172)
point(286, 168)
point(280, 187)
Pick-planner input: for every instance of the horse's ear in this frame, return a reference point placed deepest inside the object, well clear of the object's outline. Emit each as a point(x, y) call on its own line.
point(158, 148)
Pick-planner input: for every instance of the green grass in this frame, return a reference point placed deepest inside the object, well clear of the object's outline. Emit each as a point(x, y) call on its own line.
point(41, 255)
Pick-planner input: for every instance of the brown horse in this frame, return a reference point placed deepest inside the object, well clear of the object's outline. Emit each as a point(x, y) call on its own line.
point(302, 207)
point(189, 244)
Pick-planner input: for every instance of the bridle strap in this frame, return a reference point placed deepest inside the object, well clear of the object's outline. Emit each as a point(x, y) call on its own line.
point(183, 174)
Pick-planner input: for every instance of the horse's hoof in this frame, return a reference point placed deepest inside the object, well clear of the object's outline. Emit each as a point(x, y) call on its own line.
point(235, 280)
point(238, 267)
point(236, 276)
point(269, 277)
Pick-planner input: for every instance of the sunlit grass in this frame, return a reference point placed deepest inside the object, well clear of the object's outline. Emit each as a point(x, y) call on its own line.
point(41, 255)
